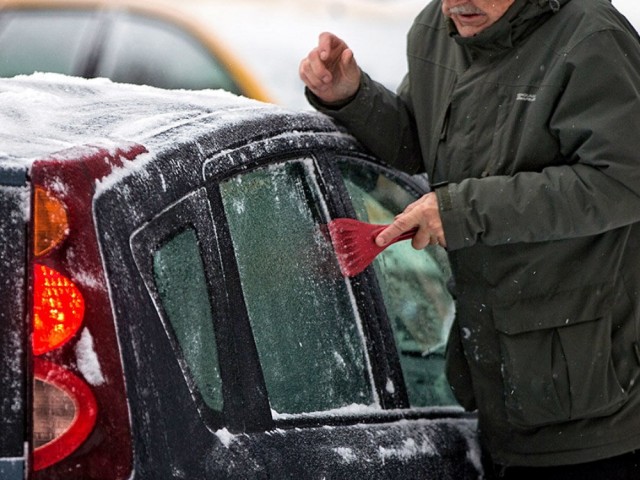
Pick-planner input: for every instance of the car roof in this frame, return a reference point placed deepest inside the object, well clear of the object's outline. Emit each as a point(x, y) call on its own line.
point(47, 116)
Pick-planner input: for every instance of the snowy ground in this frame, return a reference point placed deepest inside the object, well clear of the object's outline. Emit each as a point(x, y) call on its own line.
point(272, 36)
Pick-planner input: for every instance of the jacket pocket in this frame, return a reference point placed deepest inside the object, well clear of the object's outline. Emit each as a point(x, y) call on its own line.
point(556, 354)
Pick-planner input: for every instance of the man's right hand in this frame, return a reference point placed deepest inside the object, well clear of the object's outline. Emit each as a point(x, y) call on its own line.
point(330, 71)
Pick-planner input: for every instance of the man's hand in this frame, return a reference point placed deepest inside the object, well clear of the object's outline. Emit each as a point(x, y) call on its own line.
point(424, 213)
point(330, 70)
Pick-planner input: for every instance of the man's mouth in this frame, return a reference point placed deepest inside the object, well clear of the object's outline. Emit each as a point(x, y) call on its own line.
point(466, 12)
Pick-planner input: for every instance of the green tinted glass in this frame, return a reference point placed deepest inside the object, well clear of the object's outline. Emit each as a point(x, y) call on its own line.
point(182, 287)
point(307, 334)
point(413, 285)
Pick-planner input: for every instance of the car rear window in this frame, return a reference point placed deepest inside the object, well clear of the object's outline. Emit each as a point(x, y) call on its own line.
point(305, 324)
point(180, 280)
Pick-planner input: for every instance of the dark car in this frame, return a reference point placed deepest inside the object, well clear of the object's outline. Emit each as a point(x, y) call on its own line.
point(129, 41)
point(173, 306)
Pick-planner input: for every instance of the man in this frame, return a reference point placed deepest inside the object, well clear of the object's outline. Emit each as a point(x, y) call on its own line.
point(526, 116)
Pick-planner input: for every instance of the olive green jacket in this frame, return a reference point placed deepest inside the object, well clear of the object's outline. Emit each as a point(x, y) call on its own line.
point(534, 127)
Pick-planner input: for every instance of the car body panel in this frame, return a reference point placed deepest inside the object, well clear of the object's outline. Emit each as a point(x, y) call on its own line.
point(14, 199)
point(141, 165)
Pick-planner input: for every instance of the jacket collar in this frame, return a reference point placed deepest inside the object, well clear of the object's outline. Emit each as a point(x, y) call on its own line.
point(522, 17)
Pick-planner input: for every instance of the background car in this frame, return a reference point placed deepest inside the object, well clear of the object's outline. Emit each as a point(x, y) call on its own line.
point(186, 316)
point(146, 43)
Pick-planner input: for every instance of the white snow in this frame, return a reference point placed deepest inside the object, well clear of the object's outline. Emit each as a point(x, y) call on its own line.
point(347, 454)
point(87, 359)
point(87, 280)
point(15, 345)
point(117, 174)
point(225, 436)
point(355, 409)
point(390, 387)
point(410, 448)
point(97, 114)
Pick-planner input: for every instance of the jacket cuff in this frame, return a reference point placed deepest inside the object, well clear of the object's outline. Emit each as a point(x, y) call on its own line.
point(453, 218)
point(343, 107)
point(317, 103)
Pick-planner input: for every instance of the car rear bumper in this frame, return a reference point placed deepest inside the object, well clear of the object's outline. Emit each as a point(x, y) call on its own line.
point(12, 468)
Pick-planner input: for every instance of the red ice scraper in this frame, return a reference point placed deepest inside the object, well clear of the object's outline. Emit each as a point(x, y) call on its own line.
point(355, 243)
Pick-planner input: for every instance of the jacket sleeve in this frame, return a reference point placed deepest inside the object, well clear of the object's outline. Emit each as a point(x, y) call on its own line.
point(382, 121)
point(597, 125)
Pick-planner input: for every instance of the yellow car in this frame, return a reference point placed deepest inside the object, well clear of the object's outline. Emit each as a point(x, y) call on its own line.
point(128, 41)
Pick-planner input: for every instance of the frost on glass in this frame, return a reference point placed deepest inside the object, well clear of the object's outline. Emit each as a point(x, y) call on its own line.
point(180, 279)
point(305, 328)
point(413, 284)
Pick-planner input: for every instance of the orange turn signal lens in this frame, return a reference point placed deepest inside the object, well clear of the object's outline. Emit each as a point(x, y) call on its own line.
point(58, 309)
point(51, 224)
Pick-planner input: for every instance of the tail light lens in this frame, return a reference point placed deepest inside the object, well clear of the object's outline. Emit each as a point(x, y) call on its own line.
point(64, 413)
point(58, 309)
point(64, 408)
point(50, 222)
point(53, 412)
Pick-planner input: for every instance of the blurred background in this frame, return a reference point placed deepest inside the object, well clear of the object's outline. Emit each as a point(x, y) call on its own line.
point(250, 47)
point(272, 36)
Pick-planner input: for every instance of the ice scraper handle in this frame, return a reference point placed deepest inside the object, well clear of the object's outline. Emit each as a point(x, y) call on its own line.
point(403, 236)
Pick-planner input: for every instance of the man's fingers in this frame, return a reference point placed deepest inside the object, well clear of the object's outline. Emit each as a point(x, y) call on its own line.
point(348, 63)
point(313, 73)
point(328, 43)
point(330, 70)
point(391, 232)
point(424, 214)
point(319, 68)
point(330, 49)
point(384, 237)
point(422, 238)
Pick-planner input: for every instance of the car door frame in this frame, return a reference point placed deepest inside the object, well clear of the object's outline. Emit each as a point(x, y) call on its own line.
point(379, 339)
point(253, 442)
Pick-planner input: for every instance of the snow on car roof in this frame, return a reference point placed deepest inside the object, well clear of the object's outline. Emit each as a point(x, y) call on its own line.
point(45, 113)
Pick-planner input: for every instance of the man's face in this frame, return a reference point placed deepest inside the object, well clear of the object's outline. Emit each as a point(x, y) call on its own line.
point(473, 16)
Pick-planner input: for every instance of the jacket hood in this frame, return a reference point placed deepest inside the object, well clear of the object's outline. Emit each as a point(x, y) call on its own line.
point(522, 18)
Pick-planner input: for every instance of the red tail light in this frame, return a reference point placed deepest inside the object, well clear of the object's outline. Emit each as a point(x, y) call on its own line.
point(58, 309)
point(73, 438)
point(64, 413)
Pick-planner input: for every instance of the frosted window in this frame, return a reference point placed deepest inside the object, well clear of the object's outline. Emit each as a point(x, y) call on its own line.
point(413, 285)
point(305, 328)
point(182, 287)
point(152, 52)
